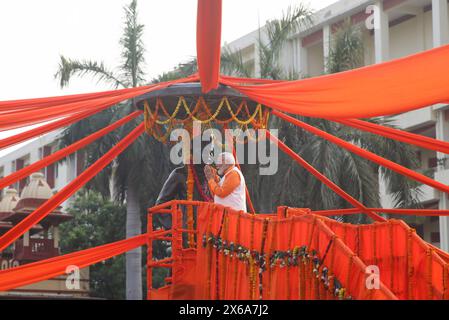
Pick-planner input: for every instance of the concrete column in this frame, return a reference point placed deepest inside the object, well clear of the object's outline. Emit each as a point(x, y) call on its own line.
point(303, 59)
point(326, 44)
point(256, 60)
point(442, 133)
point(26, 239)
point(420, 37)
point(56, 236)
point(440, 23)
point(440, 37)
point(295, 49)
point(381, 34)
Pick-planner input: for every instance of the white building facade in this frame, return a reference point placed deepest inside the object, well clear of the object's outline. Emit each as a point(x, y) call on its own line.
point(391, 29)
point(57, 175)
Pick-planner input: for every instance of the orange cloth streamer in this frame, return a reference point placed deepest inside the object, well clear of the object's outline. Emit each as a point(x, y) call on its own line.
point(29, 134)
point(208, 42)
point(409, 268)
point(388, 88)
point(399, 135)
point(41, 212)
point(49, 268)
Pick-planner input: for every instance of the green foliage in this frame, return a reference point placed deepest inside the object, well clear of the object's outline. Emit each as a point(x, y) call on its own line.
point(232, 63)
point(133, 48)
point(96, 222)
point(347, 49)
point(136, 174)
point(181, 71)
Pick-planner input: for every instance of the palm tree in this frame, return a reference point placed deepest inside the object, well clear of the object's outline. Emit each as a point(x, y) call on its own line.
point(295, 186)
point(136, 172)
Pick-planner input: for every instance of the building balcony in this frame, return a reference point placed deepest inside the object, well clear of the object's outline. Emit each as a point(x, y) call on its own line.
point(38, 249)
point(416, 119)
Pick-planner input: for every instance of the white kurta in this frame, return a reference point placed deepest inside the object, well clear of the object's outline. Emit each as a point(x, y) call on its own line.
point(237, 198)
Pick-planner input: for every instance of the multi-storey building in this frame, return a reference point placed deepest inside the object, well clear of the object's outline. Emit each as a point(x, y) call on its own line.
point(391, 29)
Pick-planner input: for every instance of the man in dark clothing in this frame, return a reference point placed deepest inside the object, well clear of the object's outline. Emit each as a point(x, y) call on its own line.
point(174, 188)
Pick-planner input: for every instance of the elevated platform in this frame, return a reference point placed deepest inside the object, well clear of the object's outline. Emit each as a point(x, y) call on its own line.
point(292, 254)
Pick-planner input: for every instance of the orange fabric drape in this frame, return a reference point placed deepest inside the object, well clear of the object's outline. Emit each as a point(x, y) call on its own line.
point(13, 106)
point(399, 135)
point(41, 212)
point(47, 269)
point(409, 268)
point(388, 88)
point(323, 179)
point(60, 154)
point(218, 275)
point(408, 265)
point(208, 42)
point(407, 212)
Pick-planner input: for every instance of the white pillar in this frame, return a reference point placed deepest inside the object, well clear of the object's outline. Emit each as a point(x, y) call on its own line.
point(26, 239)
point(381, 34)
point(441, 37)
point(302, 58)
point(440, 22)
point(256, 60)
point(326, 44)
point(56, 236)
point(295, 50)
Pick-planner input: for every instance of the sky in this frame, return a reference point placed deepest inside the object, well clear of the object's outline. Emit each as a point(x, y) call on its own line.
point(33, 34)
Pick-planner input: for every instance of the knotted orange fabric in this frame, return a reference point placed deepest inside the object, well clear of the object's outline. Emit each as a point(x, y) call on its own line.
point(227, 263)
point(400, 85)
point(46, 269)
point(41, 212)
point(398, 135)
point(208, 42)
point(60, 154)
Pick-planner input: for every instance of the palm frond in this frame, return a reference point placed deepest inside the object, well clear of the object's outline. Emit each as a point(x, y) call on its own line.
point(69, 68)
point(347, 49)
point(133, 47)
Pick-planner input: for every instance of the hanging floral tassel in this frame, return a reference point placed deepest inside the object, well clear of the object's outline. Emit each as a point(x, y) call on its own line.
point(190, 222)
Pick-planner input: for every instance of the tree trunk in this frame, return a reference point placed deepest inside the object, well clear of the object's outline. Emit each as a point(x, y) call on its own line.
point(134, 257)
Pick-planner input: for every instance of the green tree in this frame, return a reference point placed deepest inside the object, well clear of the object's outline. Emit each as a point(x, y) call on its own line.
point(135, 174)
point(97, 221)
